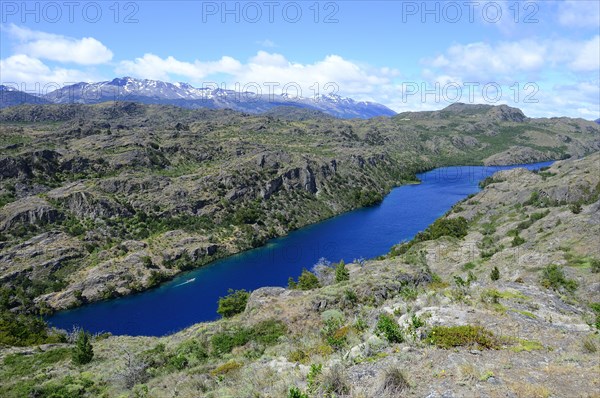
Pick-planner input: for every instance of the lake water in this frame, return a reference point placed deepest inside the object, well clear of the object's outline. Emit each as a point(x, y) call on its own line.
point(364, 233)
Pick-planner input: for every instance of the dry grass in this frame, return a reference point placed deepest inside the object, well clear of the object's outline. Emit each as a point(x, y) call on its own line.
point(530, 390)
point(392, 383)
point(467, 374)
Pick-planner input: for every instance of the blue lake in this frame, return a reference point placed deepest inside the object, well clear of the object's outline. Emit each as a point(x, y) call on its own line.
point(363, 233)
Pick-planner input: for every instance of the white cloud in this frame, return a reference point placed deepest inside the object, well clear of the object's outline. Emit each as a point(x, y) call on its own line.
point(587, 56)
point(482, 60)
point(265, 68)
point(579, 13)
point(33, 75)
point(506, 61)
point(151, 66)
point(36, 44)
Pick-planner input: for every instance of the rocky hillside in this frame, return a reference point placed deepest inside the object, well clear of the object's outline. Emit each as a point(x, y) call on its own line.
point(104, 200)
point(497, 298)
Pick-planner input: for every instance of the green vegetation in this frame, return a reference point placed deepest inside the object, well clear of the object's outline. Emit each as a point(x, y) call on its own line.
point(517, 241)
point(341, 272)
point(83, 352)
point(24, 330)
point(296, 393)
point(553, 277)
point(306, 281)
point(596, 308)
point(17, 372)
point(495, 274)
point(234, 303)
point(264, 333)
point(334, 332)
point(464, 335)
point(366, 198)
point(389, 329)
point(452, 227)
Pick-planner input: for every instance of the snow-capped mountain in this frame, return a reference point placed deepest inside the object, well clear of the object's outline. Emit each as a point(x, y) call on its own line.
point(10, 96)
point(187, 96)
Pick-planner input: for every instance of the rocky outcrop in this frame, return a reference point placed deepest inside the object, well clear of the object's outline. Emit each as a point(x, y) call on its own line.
point(45, 253)
point(84, 204)
point(31, 210)
point(518, 155)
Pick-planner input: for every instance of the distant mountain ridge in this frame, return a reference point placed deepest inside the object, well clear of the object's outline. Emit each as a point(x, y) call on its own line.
point(12, 97)
point(187, 96)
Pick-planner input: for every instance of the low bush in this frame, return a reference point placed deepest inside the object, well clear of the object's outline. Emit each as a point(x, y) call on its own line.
point(495, 274)
point(266, 333)
point(596, 308)
point(296, 393)
point(464, 335)
point(389, 328)
point(553, 277)
point(453, 227)
point(306, 281)
point(226, 368)
point(517, 241)
point(335, 333)
point(234, 303)
point(24, 330)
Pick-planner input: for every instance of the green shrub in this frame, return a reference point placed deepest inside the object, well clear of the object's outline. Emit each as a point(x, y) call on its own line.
point(296, 393)
point(225, 368)
point(334, 332)
point(265, 332)
point(234, 303)
point(595, 265)
point(306, 281)
point(453, 227)
point(297, 355)
point(495, 274)
point(389, 328)
point(553, 277)
point(83, 352)
point(156, 278)
point(517, 241)
point(366, 198)
point(596, 308)
point(341, 272)
point(248, 215)
point(312, 379)
point(465, 335)
point(575, 208)
point(24, 330)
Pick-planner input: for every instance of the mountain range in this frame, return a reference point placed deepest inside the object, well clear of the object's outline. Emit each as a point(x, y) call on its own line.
point(187, 96)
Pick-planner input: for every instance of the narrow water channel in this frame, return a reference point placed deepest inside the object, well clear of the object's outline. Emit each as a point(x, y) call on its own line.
point(365, 233)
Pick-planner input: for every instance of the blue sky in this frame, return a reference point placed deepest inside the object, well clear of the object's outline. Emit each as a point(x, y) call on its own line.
point(541, 56)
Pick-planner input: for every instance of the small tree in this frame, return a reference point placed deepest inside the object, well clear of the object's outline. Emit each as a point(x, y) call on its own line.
point(341, 273)
point(234, 303)
point(83, 352)
point(307, 280)
point(388, 328)
point(495, 274)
